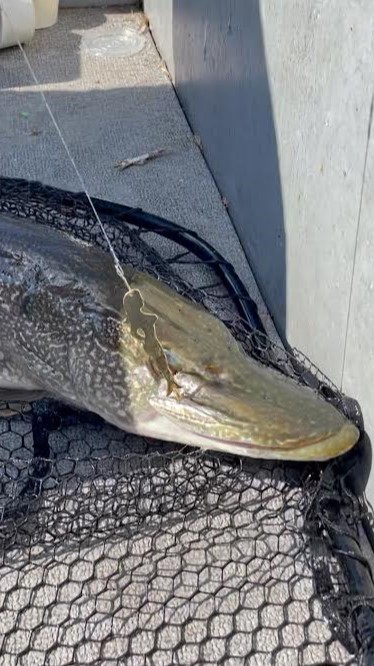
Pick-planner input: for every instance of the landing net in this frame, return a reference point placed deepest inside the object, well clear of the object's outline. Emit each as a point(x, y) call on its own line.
point(116, 549)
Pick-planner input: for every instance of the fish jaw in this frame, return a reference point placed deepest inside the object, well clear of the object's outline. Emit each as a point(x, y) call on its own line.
point(287, 422)
point(163, 428)
point(331, 447)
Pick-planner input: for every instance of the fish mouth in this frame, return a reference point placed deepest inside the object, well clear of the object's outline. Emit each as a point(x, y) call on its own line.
point(306, 441)
point(332, 446)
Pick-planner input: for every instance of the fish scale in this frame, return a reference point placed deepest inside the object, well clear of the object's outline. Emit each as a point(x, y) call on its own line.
point(69, 333)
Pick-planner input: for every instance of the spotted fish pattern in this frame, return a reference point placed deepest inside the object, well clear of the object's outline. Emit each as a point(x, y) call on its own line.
point(65, 333)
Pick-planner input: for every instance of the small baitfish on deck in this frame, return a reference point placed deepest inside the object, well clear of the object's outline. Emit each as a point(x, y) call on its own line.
point(67, 333)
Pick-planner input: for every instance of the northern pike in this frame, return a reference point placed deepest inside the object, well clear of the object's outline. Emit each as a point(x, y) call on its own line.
point(66, 333)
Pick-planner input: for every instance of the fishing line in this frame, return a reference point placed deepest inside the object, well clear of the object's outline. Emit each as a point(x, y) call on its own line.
point(117, 263)
point(143, 324)
point(351, 285)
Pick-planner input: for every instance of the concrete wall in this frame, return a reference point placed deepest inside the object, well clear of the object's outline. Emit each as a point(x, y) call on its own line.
point(97, 3)
point(280, 95)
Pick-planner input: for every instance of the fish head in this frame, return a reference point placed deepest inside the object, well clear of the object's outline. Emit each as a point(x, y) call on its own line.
point(225, 400)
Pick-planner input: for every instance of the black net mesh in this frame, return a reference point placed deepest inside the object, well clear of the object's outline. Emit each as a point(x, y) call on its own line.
point(121, 550)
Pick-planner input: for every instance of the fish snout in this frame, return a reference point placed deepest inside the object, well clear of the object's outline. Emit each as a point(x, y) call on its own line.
point(278, 421)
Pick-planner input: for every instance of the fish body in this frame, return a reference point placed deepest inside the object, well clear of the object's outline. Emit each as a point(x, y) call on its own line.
point(65, 332)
